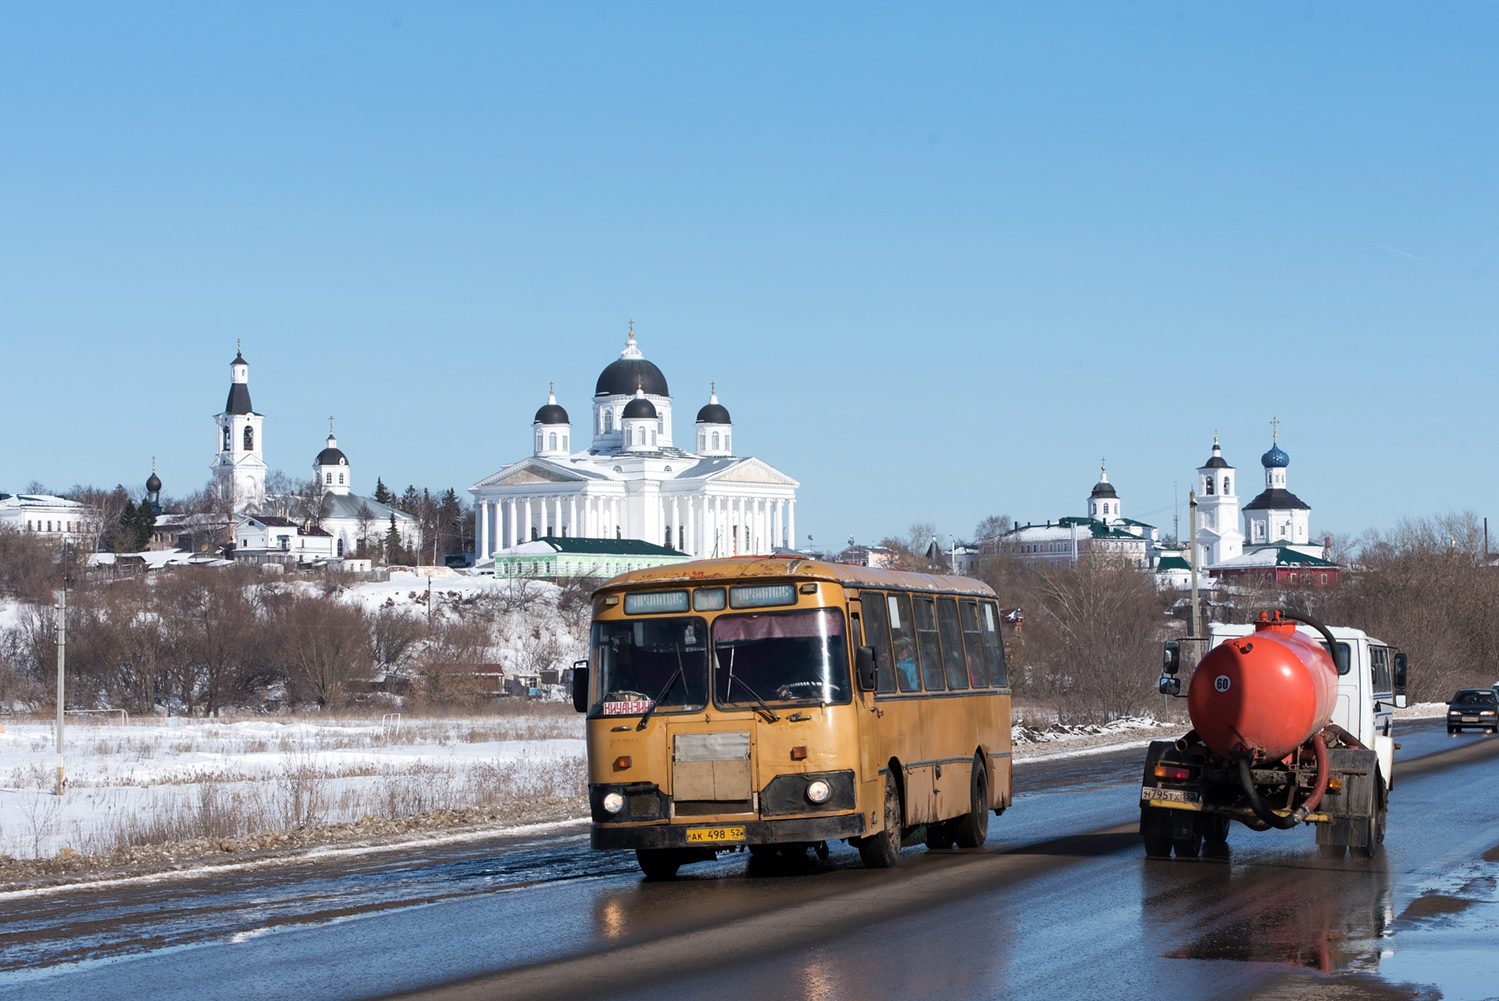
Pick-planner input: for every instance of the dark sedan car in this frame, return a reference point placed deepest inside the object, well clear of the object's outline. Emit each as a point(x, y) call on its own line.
point(1473, 708)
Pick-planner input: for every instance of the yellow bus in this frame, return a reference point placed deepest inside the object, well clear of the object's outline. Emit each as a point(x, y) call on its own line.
point(778, 704)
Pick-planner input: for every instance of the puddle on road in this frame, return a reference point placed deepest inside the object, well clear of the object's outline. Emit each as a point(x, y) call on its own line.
point(1340, 920)
point(1434, 905)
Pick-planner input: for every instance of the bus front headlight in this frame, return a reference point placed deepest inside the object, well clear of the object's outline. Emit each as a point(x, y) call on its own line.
point(613, 802)
point(818, 791)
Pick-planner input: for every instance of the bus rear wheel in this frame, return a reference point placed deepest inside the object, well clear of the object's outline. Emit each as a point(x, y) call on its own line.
point(972, 829)
point(658, 863)
point(882, 850)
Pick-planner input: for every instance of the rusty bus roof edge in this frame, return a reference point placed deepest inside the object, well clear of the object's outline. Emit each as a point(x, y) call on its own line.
point(762, 567)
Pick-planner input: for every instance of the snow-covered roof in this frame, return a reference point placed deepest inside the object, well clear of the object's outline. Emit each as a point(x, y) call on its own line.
point(1273, 556)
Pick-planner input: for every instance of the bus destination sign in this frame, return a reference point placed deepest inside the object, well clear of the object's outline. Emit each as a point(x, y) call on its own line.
point(628, 708)
point(648, 602)
point(760, 595)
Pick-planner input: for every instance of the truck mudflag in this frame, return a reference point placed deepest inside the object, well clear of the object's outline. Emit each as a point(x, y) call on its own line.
point(1290, 725)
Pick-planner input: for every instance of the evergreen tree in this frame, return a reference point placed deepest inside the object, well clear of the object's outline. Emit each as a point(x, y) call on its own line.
point(136, 525)
point(382, 492)
point(409, 500)
point(393, 543)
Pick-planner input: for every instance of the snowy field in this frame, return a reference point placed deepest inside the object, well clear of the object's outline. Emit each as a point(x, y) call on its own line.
point(170, 780)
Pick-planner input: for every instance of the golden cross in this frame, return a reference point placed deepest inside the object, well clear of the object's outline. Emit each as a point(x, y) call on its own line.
point(153, 463)
point(551, 388)
point(238, 348)
point(330, 424)
point(632, 330)
point(1274, 429)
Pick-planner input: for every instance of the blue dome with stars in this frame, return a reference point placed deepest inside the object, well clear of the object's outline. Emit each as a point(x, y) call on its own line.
point(1276, 458)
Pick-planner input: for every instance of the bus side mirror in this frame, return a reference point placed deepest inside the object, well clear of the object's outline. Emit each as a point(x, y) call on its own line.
point(1400, 673)
point(1170, 685)
point(1172, 661)
point(864, 665)
point(580, 685)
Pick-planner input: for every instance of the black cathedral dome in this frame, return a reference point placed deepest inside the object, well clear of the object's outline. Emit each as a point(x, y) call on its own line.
point(624, 375)
point(1103, 489)
point(153, 485)
point(331, 457)
point(640, 406)
point(714, 413)
point(551, 413)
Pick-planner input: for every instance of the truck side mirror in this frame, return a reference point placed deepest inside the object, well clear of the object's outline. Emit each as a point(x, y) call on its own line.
point(1170, 685)
point(864, 665)
point(1172, 661)
point(1400, 672)
point(580, 685)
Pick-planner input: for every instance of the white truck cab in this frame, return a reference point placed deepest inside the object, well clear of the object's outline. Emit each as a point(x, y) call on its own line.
point(1366, 685)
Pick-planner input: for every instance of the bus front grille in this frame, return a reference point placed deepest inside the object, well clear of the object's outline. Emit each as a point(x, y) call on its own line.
point(712, 807)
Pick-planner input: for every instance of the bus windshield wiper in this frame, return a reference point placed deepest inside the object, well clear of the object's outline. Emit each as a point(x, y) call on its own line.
point(679, 672)
point(771, 715)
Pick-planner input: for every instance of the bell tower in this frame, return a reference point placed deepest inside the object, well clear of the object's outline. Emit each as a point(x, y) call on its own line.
point(239, 467)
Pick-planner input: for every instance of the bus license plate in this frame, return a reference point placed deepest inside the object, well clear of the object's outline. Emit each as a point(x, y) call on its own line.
point(1169, 795)
point(699, 835)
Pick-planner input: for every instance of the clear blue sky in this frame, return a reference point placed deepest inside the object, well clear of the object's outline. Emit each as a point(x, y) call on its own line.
point(939, 258)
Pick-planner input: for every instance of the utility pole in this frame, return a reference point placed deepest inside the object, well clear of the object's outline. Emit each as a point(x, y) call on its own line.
point(62, 646)
point(1192, 529)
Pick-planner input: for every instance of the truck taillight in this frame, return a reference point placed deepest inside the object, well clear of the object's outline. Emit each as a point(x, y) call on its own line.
point(1178, 773)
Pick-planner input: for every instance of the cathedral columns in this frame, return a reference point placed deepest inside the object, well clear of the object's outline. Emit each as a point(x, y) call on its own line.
point(791, 522)
point(777, 521)
point(572, 516)
point(677, 541)
point(557, 515)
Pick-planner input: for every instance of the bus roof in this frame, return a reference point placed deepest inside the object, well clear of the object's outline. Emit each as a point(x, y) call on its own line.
point(757, 567)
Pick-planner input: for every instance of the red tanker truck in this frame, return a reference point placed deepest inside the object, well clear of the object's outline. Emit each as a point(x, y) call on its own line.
point(1290, 725)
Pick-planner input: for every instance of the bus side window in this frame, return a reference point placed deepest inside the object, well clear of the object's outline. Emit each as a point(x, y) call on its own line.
point(973, 643)
point(928, 643)
point(998, 670)
point(952, 643)
point(877, 635)
point(903, 637)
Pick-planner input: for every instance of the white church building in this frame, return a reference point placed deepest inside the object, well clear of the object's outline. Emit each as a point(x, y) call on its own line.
point(1274, 519)
point(239, 472)
point(1105, 531)
point(628, 478)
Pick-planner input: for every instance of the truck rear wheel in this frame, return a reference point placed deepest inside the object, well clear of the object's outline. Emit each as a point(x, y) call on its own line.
point(1189, 847)
point(1157, 847)
point(882, 850)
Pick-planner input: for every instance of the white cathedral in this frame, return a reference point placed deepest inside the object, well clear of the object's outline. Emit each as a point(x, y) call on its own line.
point(239, 471)
point(631, 481)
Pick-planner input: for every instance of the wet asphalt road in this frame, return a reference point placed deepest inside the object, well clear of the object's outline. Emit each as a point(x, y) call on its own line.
point(1059, 902)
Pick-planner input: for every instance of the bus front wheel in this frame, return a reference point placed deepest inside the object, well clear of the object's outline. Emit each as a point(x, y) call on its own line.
point(882, 850)
point(658, 863)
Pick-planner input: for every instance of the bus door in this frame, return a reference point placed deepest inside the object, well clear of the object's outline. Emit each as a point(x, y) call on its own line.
point(898, 719)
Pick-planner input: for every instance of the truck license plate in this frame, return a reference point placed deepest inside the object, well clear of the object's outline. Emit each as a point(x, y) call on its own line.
point(698, 835)
point(1168, 795)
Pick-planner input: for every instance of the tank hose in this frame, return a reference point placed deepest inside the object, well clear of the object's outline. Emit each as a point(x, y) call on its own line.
point(1298, 815)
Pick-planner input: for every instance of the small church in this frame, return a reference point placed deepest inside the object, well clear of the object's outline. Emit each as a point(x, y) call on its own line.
point(239, 478)
point(1274, 545)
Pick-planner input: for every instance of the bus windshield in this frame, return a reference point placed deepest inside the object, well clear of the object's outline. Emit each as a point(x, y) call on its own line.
point(635, 660)
point(780, 657)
